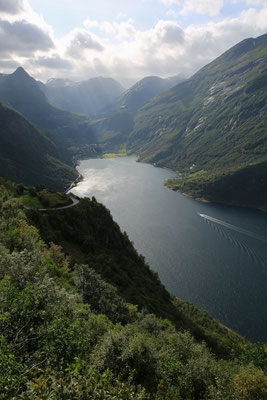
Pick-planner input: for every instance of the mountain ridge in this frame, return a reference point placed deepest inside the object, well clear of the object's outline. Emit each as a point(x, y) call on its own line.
point(213, 121)
point(27, 156)
point(88, 97)
point(144, 90)
point(64, 128)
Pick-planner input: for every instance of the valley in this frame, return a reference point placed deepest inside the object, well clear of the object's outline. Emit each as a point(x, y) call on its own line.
point(210, 129)
point(83, 313)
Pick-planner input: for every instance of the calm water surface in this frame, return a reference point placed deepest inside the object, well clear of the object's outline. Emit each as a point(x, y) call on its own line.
point(211, 255)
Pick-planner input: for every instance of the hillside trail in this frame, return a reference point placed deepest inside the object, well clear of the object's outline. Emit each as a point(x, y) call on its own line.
point(74, 203)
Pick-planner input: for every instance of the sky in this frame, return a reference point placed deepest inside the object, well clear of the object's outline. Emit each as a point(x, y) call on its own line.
point(123, 39)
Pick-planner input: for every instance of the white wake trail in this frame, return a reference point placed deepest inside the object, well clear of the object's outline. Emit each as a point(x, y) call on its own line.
point(233, 227)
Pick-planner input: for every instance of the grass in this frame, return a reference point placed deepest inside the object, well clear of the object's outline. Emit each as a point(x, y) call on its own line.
point(45, 199)
point(31, 201)
point(54, 199)
point(121, 153)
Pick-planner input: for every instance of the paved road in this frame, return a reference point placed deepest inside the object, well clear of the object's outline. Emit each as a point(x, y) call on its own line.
point(74, 203)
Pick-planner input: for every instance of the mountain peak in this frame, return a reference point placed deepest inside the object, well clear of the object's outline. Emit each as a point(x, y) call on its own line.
point(20, 72)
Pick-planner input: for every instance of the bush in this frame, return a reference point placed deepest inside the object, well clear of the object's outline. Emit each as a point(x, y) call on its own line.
point(250, 384)
point(101, 296)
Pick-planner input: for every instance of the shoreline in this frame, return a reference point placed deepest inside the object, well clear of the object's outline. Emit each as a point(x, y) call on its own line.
point(74, 183)
point(202, 199)
point(228, 204)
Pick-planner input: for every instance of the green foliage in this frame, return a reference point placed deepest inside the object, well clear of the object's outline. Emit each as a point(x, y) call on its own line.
point(80, 383)
point(112, 132)
point(121, 153)
point(70, 334)
point(30, 201)
point(88, 233)
point(144, 90)
point(12, 377)
point(28, 156)
point(53, 199)
point(250, 384)
point(128, 352)
point(32, 198)
point(101, 296)
point(245, 185)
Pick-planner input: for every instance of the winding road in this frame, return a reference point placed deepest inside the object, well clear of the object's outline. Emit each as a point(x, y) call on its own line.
point(74, 203)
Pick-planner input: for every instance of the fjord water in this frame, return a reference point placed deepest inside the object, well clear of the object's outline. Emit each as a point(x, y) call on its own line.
point(211, 255)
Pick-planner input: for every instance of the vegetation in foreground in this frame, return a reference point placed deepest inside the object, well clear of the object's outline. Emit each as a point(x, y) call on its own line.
point(68, 333)
point(39, 197)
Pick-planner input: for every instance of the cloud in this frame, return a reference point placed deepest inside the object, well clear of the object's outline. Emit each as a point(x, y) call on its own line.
point(11, 6)
point(168, 32)
point(22, 38)
point(121, 15)
point(164, 50)
point(81, 41)
point(8, 64)
point(208, 7)
point(171, 13)
point(119, 29)
point(147, 52)
point(256, 2)
point(53, 62)
point(204, 43)
point(119, 48)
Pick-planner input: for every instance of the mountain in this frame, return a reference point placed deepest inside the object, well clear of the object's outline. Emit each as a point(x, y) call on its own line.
point(211, 126)
point(88, 97)
point(28, 156)
point(89, 320)
point(113, 129)
point(144, 90)
point(23, 93)
point(58, 83)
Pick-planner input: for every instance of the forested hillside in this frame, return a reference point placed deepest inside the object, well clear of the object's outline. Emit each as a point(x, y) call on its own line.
point(144, 90)
point(68, 333)
point(212, 125)
point(65, 129)
point(28, 156)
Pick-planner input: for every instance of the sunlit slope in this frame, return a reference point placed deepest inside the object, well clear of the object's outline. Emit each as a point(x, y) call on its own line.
point(216, 119)
point(144, 90)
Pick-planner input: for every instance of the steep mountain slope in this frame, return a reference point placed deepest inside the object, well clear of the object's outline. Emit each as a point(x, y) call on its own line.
point(23, 93)
point(215, 121)
point(66, 333)
point(88, 233)
point(113, 129)
point(88, 97)
point(144, 90)
point(27, 155)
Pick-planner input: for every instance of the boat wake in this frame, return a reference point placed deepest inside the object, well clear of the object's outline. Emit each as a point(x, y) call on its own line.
point(218, 225)
point(233, 227)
